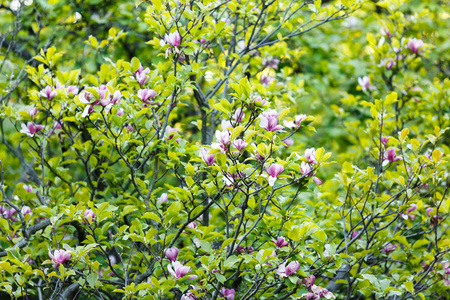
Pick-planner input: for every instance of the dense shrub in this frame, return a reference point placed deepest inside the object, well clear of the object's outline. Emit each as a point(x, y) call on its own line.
point(168, 150)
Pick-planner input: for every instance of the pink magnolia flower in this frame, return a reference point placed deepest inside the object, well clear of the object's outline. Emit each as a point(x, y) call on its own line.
point(389, 248)
point(266, 80)
point(274, 170)
point(286, 271)
point(170, 132)
point(116, 97)
point(72, 90)
point(355, 234)
point(296, 123)
point(209, 159)
point(223, 137)
point(31, 129)
point(412, 208)
point(227, 293)
point(164, 198)
point(89, 215)
point(238, 115)
point(365, 84)
point(280, 242)
point(173, 39)
point(32, 112)
point(26, 210)
point(288, 142)
point(188, 296)
point(257, 100)
point(384, 140)
point(141, 75)
point(49, 93)
point(385, 31)
point(307, 170)
point(389, 64)
point(8, 213)
point(59, 257)
point(310, 155)
point(172, 254)
point(145, 94)
point(391, 156)
point(28, 188)
point(192, 225)
point(120, 112)
point(177, 270)
point(414, 45)
point(269, 121)
point(240, 144)
point(309, 281)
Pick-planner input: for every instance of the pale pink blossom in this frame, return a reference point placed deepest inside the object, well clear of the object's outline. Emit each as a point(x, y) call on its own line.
point(227, 293)
point(290, 269)
point(31, 129)
point(164, 198)
point(280, 242)
point(309, 281)
point(414, 45)
point(269, 121)
point(49, 93)
point(146, 94)
point(173, 39)
point(288, 142)
point(365, 84)
point(172, 253)
point(384, 140)
point(274, 170)
point(141, 75)
point(26, 210)
point(177, 270)
point(89, 215)
point(240, 144)
point(28, 188)
point(72, 90)
point(209, 159)
point(238, 115)
point(257, 100)
point(310, 155)
point(120, 112)
point(59, 257)
point(32, 112)
point(192, 226)
point(223, 137)
point(296, 123)
point(389, 248)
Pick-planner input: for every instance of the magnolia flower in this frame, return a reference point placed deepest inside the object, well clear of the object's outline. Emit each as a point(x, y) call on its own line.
point(145, 94)
point(172, 254)
point(192, 225)
point(171, 132)
point(26, 210)
point(173, 39)
point(266, 80)
point(391, 156)
point(269, 121)
point(309, 281)
point(385, 31)
point(291, 268)
point(209, 76)
point(188, 296)
point(177, 270)
point(238, 115)
point(89, 215)
point(318, 292)
point(209, 159)
point(32, 112)
point(288, 142)
point(72, 90)
point(365, 84)
point(141, 75)
point(28, 188)
point(296, 123)
point(227, 293)
point(120, 112)
point(31, 129)
point(389, 64)
point(412, 208)
point(258, 100)
point(85, 97)
point(59, 257)
point(223, 137)
point(280, 242)
point(310, 155)
point(273, 171)
point(414, 45)
point(384, 140)
point(116, 97)
point(354, 234)
point(240, 144)
point(8, 213)
point(49, 93)
point(164, 198)
point(389, 248)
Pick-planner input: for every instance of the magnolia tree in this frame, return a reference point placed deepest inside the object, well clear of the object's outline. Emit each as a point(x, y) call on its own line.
point(193, 176)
